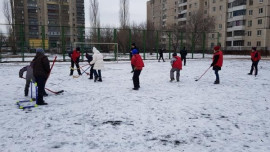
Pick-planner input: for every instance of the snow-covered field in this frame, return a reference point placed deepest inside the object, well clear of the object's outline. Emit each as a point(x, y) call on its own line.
point(162, 116)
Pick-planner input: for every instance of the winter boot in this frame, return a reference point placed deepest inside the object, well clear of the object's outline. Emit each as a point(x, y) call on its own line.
point(249, 73)
point(95, 79)
point(26, 93)
point(172, 80)
point(216, 82)
point(100, 79)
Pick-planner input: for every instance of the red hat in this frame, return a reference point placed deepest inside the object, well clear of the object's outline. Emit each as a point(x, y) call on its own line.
point(216, 48)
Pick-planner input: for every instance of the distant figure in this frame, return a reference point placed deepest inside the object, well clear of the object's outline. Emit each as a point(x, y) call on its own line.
point(138, 65)
point(98, 64)
point(29, 77)
point(176, 63)
point(183, 53)
point(41, 70)
point(255, 58)
point(75, 59)
point(89, 59)
point(161, 55)
point(217, 62)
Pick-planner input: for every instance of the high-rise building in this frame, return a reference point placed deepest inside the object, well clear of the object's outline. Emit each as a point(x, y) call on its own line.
point(51, 20)
point(239, 24)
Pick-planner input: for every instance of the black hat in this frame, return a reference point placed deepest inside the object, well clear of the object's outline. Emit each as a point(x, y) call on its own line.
point(78, 48)
point(254, 48)
point(174, 54)
point(133, 44)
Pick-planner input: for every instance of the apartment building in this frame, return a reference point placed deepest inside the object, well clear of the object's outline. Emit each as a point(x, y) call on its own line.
point(54, 14)
point(239, 24)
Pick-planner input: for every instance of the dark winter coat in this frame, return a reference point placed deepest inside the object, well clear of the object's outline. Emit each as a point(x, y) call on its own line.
point(217, 60)
point(29, 72)
point(137, 62)
point(41, 66)
point(183, 53)
point(89, 57)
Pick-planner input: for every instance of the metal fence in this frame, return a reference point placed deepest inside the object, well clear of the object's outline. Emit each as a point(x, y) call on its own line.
point(61, 39)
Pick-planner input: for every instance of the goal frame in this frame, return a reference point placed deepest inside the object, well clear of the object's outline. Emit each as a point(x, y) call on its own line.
point(75, 44)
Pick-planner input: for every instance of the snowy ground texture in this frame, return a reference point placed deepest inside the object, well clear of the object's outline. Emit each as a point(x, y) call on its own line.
point(162, 116)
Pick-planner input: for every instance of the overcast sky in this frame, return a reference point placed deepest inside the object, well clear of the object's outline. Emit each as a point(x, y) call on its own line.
point(109, 12)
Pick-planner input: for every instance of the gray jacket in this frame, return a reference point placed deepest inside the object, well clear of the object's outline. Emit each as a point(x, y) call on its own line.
point(29, 73)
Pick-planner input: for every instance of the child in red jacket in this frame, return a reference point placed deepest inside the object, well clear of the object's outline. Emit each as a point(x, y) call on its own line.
point(255, 58)
point(137, 63)
point(176, 63)
point(75, 58)
point(217, 62)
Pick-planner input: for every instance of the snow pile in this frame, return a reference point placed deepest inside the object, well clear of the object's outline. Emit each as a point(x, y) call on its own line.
point(162, 116)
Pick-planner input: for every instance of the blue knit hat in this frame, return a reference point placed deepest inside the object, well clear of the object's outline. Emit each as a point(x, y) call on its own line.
point(40, 50)
point(134, 51)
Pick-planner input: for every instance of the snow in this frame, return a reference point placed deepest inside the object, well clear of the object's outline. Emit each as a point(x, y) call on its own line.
point(188, 116)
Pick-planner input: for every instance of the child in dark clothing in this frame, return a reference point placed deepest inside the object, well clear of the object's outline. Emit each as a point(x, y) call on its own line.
point(89, 59)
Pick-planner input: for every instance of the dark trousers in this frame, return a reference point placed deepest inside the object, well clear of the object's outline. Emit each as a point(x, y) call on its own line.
point(41, 86)
point(217, 75)
point(97, 74)
point(26, 89)
point(91, 71)
point(72, 66)
point(254, 65)
point(161, 57)
point(136, 79)
point(184, 59)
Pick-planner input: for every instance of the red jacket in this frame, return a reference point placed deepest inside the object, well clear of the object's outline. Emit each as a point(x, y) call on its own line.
point(177, 63)
point(255, 56)
point(137, 62)
point(219, 62)
point(75, 55)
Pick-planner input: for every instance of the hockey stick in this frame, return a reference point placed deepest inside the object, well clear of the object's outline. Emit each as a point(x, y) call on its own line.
point(203, 74)
point(84, 71)
point(55, 92)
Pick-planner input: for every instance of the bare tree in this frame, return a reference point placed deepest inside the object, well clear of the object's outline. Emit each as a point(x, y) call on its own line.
point(176, 32)
point(124, 13)
point(94, 18)
point(197, 24)
point(9, 16)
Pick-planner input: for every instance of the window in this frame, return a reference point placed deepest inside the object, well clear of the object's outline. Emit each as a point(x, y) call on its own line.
point(213, 35)
point(249, 23)
point(214, 1)
point(220, 7)
point(259, 21)
point(220, 26)
point(259, 32)
point(190, 5)
point(260, 1)
point(250, 12)
point(250, 2)
point(249, 33)
point(258, 43)
point(260, 10)
point(248, 43)
point(214, 9)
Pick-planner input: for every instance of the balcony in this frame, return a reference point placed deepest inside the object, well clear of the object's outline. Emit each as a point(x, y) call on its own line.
point(236, 28)
point(182, 4)
point(241, 7)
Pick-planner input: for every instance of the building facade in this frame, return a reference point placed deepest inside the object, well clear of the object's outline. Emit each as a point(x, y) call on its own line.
point(50, 21)
point(239, 24)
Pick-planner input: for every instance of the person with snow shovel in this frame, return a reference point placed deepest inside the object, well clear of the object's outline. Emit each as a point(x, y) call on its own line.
point(217, 62)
